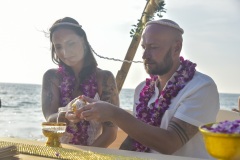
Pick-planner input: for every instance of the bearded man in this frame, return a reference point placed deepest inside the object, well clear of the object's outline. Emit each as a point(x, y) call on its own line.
point(170, 105)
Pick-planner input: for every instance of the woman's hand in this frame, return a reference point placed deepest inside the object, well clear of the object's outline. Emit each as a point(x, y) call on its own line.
point(70, 114)
point(57, 117)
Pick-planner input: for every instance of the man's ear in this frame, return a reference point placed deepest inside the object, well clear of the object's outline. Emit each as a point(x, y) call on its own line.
point(178, 47)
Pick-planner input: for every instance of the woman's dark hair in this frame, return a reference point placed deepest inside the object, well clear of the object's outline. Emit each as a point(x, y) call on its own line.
point(90, 63)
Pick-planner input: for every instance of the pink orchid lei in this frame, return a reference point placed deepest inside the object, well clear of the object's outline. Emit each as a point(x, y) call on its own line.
point(153, 114)
point(88, 88)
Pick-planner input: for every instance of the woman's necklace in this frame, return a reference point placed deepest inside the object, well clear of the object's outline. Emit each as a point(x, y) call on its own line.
point(89, 88)
point(153, 114)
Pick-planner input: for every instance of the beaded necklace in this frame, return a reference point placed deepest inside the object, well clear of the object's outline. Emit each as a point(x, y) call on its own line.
point(88, 88)
point(153, 114)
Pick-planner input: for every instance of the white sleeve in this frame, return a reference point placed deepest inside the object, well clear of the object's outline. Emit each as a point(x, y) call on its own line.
point(137, 91)
point(200, 106)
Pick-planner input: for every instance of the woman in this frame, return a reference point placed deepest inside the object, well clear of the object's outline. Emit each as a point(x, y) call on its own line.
point(77, 75)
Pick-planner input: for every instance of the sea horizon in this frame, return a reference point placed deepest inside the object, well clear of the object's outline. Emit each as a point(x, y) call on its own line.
point(126, 88)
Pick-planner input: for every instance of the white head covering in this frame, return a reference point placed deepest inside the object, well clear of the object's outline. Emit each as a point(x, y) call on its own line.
point(168, 23)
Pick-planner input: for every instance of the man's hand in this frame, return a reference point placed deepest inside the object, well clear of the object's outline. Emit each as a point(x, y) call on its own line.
point(96, 110)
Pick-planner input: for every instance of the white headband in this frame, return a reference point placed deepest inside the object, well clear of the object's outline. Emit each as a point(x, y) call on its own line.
point(166, 22)
point(65, 23)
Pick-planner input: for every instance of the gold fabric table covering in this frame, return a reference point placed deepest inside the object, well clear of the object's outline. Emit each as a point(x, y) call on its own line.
point(62, 153)
point(30, 149)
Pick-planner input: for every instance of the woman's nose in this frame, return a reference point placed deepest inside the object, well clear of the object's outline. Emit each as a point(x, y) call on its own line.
point(66, 53)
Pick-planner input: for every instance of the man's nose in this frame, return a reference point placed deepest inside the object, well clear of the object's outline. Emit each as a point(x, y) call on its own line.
point(145, 54)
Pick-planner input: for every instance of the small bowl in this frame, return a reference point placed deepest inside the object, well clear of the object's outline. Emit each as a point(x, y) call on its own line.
point(53, 131)
point(222, 146)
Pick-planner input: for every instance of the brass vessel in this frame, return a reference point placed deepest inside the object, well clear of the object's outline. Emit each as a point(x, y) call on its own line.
point(53, 131)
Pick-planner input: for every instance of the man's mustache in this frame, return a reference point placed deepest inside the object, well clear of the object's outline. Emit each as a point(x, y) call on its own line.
point(147, 61)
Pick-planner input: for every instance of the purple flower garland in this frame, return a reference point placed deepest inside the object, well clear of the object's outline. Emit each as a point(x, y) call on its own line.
point(88, 88)
point(228, 127)
point(153, 114)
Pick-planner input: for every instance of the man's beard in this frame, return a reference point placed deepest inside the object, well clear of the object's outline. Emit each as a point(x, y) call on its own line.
point(162, 67)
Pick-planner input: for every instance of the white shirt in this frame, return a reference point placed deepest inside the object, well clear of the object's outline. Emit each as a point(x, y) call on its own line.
point(197, 104)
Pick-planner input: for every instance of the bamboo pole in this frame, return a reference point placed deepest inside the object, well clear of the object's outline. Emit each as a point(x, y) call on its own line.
point(148, 11)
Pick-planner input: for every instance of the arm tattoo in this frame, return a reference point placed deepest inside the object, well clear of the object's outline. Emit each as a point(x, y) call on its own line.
point(109, 88)
point(180, 131)
point(109, 92)
point(50, 102)
point(48, 94)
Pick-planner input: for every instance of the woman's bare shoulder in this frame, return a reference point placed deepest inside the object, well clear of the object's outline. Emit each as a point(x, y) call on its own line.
point(51, 74)
point(51, 71)
point(108, 87)
point(104, 73)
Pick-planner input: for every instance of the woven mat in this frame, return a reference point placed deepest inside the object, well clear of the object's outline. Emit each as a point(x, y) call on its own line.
point(63, 153)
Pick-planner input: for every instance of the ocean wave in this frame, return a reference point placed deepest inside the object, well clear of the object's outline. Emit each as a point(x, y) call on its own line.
point(23, 103)
point(4, 92)
point(4, 106)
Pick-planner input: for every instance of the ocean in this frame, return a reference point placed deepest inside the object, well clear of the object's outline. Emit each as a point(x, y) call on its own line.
point(21, 113)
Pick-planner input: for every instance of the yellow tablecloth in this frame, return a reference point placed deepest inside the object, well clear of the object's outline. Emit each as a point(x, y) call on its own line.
point(30, 149)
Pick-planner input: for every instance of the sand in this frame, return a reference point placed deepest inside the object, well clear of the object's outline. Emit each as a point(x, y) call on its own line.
point(120, 138)
point(121, 135)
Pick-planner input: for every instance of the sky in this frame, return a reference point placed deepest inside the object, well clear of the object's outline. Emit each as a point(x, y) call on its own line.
point(211, 36)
